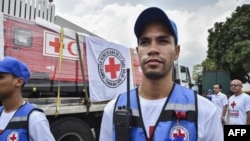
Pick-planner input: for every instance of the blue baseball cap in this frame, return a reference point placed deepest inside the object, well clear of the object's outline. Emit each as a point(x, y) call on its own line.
point(15, 67)
point(154, 14)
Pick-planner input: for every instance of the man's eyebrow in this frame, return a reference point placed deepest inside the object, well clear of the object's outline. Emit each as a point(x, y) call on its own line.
point(163, 36)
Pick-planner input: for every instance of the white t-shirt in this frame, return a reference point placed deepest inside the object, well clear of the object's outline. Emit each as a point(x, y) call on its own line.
point(151, 109)
point(220, 100)
point(39, 129)
point(237, 108)
point(209, 123)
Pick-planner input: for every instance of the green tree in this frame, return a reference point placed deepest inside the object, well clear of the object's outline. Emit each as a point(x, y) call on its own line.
point(208, 65)
point(229, 44)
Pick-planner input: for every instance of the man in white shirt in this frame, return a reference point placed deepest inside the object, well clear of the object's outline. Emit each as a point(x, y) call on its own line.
point(221, 102)
point(239, 105)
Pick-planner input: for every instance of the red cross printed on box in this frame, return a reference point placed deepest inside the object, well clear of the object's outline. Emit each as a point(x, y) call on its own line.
point(112, 68)
point(56, 44)
point(52, 45)
point(233, 104)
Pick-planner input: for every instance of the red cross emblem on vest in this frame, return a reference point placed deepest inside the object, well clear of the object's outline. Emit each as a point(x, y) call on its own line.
point(179, 132)
point(13, 136)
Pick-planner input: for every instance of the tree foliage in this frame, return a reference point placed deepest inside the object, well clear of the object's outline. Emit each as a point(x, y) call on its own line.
point(208, 65)
point(229, 45)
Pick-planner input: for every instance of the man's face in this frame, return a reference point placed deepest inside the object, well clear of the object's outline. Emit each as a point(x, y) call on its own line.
point(157, 51)
point(216, 89)
point(7, 85)
point(236, 86)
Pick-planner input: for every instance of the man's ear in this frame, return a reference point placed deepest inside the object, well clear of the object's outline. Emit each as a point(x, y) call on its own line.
point(177, 51)
point(20, 82)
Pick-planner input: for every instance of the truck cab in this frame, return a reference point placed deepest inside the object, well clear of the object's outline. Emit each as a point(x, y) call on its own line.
point(181, 75)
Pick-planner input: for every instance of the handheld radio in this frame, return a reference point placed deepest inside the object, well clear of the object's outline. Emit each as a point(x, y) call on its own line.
point(123, 117)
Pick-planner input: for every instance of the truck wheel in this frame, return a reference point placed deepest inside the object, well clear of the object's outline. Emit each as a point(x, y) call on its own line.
point(71, 129)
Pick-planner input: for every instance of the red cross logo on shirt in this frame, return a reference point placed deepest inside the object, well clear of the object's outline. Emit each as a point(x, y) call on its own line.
point(233, 104)
point(13, 136)
point(112, 68)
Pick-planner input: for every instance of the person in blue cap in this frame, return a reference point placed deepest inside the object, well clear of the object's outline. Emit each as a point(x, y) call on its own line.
point(19, 120)
point(159, 109)
point(209, 94)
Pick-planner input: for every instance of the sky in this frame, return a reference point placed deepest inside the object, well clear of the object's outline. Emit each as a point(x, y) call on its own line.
point(114, 20)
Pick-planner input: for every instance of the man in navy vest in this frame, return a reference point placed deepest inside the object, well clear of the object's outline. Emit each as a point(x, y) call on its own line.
point(159, 109)
point(19, 120)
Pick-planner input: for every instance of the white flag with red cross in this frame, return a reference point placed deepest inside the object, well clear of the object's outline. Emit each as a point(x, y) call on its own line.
point(107, 64)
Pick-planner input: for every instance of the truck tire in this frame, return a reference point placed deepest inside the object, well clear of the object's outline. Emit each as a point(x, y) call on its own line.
point(71, 129)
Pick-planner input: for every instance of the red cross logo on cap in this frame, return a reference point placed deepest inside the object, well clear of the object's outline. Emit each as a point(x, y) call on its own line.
point(13, 136)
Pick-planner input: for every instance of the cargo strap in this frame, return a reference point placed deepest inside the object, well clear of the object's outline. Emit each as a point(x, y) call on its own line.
point(58, 100)
point(85, 90)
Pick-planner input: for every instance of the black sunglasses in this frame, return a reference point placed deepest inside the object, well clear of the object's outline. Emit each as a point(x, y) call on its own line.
point(234, 85)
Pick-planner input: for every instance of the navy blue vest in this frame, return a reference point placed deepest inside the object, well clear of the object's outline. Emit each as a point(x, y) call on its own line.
point(177, 121)
point(17, 128)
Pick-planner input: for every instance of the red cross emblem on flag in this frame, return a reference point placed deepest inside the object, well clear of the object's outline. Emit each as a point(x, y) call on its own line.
point(112, 67)
point(13, 136)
